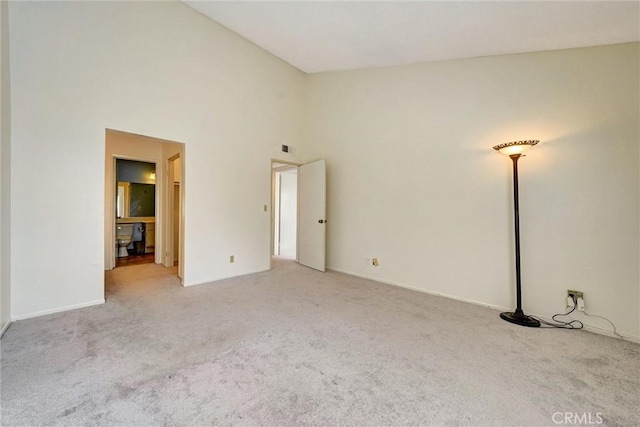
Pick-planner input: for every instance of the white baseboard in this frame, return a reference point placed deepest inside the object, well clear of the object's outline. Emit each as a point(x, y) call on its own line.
point(600, 331)
point(424, 291)
point(217, 279)
point(589, 328)
point(4, 328)
point(57, 310)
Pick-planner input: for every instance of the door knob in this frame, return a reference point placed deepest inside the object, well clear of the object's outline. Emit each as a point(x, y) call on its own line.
point(321, 221)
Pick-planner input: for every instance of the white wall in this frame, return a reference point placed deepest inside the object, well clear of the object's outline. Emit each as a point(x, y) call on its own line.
point(412, 178)
point(5, 171)
point(152, 68)
point(419, 186)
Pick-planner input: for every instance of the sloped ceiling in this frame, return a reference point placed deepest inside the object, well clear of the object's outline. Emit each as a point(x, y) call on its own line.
point(317, 36)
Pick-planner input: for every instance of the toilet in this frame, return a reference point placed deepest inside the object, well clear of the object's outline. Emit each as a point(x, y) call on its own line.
point(123, 237)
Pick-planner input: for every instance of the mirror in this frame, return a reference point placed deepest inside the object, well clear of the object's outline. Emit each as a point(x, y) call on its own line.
point(135, 200)
point(136, 190)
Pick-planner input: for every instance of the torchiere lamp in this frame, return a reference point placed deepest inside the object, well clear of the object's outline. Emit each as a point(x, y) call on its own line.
point(515, 150)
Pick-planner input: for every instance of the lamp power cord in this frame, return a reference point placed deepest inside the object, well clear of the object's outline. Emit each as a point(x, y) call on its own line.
point(615, 332)
point(573, 323)
point(561, 324)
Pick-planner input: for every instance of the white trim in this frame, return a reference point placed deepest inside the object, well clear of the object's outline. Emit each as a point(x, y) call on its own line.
point(59, 309)
point(233, 276)
point(588, 328)
point(4, 328)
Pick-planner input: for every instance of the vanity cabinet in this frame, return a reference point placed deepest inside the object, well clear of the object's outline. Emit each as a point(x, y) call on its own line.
point(150, 237)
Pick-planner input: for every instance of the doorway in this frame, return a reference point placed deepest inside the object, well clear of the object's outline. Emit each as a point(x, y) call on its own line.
point(164, 235)
point(173, 241)
point(310, 212)
point(285, 211)
point(136, 194)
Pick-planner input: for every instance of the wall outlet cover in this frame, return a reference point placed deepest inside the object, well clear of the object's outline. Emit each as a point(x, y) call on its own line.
point(576, 294)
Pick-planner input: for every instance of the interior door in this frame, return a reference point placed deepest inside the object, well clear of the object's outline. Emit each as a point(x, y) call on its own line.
point(312, 221)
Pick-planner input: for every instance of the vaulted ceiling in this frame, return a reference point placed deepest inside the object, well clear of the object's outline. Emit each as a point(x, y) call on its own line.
point(317, 36)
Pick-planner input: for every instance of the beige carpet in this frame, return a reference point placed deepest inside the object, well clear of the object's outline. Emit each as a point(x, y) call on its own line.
point(297, 347)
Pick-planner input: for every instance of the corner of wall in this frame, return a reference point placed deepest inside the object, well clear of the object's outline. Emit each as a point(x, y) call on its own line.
point(5, 171)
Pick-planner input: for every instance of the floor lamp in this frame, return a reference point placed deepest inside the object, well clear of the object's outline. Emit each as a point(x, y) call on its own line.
point(515, 150)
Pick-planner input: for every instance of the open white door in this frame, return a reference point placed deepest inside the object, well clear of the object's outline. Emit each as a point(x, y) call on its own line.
point(312, 215)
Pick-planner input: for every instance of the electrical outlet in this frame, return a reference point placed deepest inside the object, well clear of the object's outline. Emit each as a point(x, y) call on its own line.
point(580, 304)
point(573, 297)
point(374, 262)
point(232, 259)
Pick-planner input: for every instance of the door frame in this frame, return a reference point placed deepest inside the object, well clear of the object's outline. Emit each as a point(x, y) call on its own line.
point(168, 223)
point(273, 171)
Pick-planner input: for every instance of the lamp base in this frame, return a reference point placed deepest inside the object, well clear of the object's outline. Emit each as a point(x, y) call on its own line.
point(519, 318)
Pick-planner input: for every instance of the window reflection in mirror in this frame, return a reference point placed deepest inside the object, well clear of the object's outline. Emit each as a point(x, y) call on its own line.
point(122, 201)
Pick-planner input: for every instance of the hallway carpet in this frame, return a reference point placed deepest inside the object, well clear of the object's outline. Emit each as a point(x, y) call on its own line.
point(297, 347)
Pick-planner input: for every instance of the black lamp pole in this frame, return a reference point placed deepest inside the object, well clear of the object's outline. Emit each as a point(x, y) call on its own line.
point(518, 317)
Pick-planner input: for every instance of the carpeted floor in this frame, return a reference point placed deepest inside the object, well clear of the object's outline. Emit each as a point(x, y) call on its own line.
point(297, 347)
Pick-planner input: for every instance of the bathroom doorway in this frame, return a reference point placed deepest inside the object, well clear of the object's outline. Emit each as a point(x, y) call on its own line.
point(136, 194)
point(162, 231)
